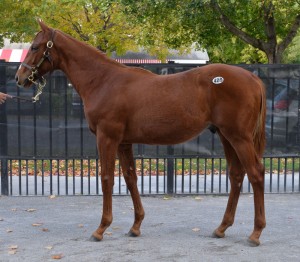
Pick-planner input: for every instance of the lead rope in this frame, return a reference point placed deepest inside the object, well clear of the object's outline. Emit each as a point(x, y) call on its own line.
point(34, 99)
point(40, 87)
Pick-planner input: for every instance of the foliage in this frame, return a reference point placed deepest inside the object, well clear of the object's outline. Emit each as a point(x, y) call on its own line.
point(234, 31)
point(292, 54)
point(225, 28)
point(100, 23)
point(17, 20)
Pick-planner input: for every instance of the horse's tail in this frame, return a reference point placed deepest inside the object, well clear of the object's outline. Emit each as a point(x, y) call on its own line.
point(259, 136)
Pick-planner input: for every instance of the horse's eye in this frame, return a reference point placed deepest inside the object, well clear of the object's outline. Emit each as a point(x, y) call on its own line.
point(34, 48)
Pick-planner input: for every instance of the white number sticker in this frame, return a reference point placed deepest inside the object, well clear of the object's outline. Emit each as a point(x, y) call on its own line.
point(218, 80)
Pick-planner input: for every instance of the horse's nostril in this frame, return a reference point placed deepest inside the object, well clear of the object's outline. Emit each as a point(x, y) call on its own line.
point(17, 78)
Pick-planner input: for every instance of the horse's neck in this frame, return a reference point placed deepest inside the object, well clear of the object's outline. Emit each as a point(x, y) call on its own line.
point(83, 64)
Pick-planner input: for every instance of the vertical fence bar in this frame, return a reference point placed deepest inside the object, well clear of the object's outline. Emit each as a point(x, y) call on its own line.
point(212, 175)
point(43, 175)
point(170, 170)
point(190, 176)
point(182, 175)
point(142, 175)
point(205, 174)
point(3, 134)
point(157, 175)
point(97, 176)
point(20, 177)
point(220, 176)
point(293, 175)
point(227, 177)
point(35, 173)
point(278, 175)
point(197, 175)
point(89, 176)
point(4, 177)
point(149, 174)
point(73, 176)
point(271, 174)
point(11, 177)
point(67, 176)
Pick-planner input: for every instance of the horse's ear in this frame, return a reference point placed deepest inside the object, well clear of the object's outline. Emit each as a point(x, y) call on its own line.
point(43, 26)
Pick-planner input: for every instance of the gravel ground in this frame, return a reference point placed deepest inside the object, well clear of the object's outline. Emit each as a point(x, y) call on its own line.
point(174, 229)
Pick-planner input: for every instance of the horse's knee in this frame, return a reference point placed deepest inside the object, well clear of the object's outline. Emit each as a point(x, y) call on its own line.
point(107, 182)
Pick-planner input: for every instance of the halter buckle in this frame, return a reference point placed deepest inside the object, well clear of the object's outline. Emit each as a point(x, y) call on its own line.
point(49, 44)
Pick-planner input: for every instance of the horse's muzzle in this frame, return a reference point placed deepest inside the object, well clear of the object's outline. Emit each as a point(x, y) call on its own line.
point(22, 83)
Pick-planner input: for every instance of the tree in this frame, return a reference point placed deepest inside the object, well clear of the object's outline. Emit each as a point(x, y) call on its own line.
point(235, 31)
point(269, 26)
point(99, 23)
point(262, 28)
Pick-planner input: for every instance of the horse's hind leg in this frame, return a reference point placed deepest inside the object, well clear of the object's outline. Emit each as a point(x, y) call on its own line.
point(127, 163)
point(236, 175)
point(256, 173)
point(246, 153)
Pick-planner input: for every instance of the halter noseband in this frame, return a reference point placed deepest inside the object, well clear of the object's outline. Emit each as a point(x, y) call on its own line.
point(34, 69)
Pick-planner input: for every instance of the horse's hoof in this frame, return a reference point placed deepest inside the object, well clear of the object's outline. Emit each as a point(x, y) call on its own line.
point(218, 234)
point(94, 238)
point(253, 242)
point(133, 233)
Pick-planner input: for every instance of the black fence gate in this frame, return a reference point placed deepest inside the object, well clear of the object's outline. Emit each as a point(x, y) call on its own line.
point(46, 148)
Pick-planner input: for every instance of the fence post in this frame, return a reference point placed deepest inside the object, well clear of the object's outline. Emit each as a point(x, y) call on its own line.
point(298, 122)
point(170, 170)
point(3, 132)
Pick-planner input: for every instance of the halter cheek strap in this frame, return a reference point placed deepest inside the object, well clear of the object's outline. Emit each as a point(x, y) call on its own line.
point(34, 69)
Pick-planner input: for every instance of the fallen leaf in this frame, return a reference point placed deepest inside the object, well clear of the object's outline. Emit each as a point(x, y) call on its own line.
point(30, 210)
point(14, 209)
point(45, 229)
point(37, 224)
point(115, 228)
point(108, 233)
point(9, 230)
point(166, 198)
point(196, 229)
point(198, 198)
point(49, 247)
point(80, 225)
point(12, 249)
point(57, 256)
point(1, 219)
point(52, 196)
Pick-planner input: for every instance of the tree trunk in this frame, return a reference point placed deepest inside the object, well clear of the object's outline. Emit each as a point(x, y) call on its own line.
point(271, 47)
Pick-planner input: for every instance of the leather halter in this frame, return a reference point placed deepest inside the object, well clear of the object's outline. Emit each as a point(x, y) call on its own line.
point(41, 81)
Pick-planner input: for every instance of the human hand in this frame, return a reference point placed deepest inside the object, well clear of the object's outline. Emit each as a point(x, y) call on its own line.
point(3, 97)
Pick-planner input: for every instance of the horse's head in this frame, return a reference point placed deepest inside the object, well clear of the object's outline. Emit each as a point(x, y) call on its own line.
point(38, 61)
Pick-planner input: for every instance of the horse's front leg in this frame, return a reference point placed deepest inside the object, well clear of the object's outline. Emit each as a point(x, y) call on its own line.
point(107, 151)
point(126, 160)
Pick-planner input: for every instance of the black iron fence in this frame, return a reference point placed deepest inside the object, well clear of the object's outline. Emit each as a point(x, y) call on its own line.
point(46, 148)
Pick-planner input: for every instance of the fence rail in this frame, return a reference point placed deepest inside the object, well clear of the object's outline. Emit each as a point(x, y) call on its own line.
point(46, 148)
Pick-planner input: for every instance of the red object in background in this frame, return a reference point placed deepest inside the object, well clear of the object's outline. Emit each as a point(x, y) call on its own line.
point(282, 104)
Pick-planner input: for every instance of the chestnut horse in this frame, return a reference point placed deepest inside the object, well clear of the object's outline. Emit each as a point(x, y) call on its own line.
point(125, 105)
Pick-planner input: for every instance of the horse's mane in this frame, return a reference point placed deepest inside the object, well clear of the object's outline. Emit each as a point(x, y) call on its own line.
point(103, 56)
